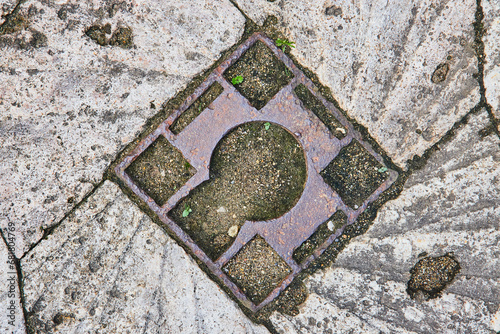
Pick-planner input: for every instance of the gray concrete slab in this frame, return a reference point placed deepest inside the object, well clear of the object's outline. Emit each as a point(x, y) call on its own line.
point(109, 268)
point(491, 40)
point(68, 105)
point(451, 205)
point(379, 57)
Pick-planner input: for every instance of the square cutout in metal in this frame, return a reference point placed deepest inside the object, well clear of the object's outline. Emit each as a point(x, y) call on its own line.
point(315, 105)
point(261, 73)
point(354, 174)
point(246, 269)
point(318, 210)
point(160, 170)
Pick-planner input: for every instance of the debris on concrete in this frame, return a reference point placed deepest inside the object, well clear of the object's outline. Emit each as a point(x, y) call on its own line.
point(431, 275)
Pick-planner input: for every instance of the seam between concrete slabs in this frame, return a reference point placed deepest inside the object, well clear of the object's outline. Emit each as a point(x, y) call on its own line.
point(481, 56)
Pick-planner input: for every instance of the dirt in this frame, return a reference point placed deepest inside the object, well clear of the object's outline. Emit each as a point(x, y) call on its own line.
point(263, 74)
point(322, 233)
point(196, 108)
point(440, 73)
point(255, 277)
point(431, 275)
point(257, 172)
point(98, 32)
point(160, 170)
point(313, 104)
point(290, 299)
point(354, 174)
point(121, 37)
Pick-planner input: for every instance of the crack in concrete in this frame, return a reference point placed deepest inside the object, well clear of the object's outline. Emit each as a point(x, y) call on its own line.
point(247, 18)
point(20, 281)
point(418, 162)
point(481, 56)
point(46, 232)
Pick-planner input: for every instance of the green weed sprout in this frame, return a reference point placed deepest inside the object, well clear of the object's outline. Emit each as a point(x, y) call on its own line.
point(283, 43)
point(187, 211)
point(382, 169)
point(237, 80)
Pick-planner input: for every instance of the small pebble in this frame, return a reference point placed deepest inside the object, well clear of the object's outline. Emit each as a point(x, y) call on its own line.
point(233, 231)
point(330, 225)
point(222, 210)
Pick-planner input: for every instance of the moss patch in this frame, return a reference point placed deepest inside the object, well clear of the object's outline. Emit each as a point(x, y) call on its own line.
point(257, 269)
point(255, 174)
point(160, 170)
point(97, 33)
point(196, 108)
point(354, 174)
point(263, 74)
point(14, 22)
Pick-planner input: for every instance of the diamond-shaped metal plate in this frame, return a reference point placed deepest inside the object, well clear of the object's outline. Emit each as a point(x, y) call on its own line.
point(301, 235)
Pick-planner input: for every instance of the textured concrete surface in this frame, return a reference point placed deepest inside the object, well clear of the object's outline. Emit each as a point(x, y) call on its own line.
point(320, 316)
point(445, 207)
point(405, 70)
point(68, 105)
point(378, 58)
point(492, 51)
point(109, 268)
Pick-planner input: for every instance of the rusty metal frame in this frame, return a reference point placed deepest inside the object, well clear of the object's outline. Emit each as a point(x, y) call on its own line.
point(230, 109)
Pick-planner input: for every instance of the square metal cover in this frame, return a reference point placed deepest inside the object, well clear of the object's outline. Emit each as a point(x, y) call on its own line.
point(343, 172)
